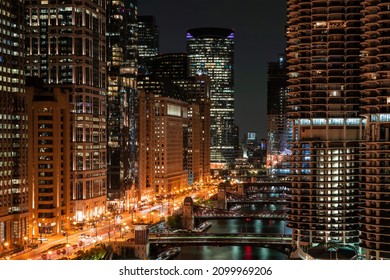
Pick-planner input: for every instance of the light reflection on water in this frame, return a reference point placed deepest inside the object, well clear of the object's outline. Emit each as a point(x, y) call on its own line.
point(237, 252)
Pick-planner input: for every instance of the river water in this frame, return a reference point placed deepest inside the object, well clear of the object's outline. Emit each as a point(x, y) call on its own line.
point(237, 252)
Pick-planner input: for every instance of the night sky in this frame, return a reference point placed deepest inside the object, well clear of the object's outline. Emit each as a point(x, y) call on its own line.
point(259, 29)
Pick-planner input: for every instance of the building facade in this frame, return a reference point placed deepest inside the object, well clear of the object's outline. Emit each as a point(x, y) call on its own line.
point(66, 47)
point(163, 114)
point(279, 129)
point(49, 160)
point(211, 52)
point(323, 51)
point(122, 129)
point(148, 40)
point(375, 169)
point(14, 191)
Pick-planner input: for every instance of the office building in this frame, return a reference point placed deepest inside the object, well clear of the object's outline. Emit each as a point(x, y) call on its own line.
point(49, 159)
point(279, 130)
point(323, 41)
point(163, 115)
point(122, 128)
point(211, 52)
point(14, 191)
point(66, 47)
point(148, 40)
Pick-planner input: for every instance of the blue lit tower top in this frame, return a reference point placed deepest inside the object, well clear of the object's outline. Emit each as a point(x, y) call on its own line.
point(211, 51)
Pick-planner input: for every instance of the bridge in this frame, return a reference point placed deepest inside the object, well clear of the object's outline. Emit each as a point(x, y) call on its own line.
point(275, 241)
point(215, 213)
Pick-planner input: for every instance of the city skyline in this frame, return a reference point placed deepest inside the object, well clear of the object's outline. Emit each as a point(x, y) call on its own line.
point(259, 40)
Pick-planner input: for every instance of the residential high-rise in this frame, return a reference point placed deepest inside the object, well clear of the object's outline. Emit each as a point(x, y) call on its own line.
point(323, 58)
point(14, 191)
point(66, 47)
point(122, 129)
point(279, 130)
point(211, 51)
point(375, 104)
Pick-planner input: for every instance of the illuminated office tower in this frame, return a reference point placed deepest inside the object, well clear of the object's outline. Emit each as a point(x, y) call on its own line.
point(148, 39)
point(211, 51)
point(375, 170)
point(66, 47)
point(122, 128)
point(323, 40)
point(279, 131)
point(14, 191)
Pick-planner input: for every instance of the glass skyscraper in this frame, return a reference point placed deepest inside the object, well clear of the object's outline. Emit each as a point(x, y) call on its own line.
point(211, 51)
point(122, 129)
point(14, 191)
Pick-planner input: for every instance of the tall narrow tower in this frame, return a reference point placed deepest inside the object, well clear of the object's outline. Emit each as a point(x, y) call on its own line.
point(323, 58)
point(14, 191)
point(211, 51)
point(375, 179)
point(66, 47)
point(122, 129)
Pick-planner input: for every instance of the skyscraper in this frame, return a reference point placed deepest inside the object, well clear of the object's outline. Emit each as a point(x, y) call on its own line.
point(66, 47)
point(279, 131)
point(148, 39)
point(323, 58)
point(122, 129)
point(14, 191)
point(375, 169)
point(211, 51)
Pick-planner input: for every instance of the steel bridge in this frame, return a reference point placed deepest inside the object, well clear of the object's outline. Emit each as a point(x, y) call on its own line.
point(215, 213)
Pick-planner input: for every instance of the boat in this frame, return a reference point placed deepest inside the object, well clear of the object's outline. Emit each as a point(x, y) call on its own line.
point(169, 253)
point(203, 227)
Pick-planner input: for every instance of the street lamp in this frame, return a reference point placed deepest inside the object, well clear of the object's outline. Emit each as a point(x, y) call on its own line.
point(25, 240)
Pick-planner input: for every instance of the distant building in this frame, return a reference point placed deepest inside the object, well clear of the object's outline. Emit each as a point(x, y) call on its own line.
point(279, 128)
point(196, 90)
point(163, 113)
point(211, 52)
point(171, 66)
point(148, 39)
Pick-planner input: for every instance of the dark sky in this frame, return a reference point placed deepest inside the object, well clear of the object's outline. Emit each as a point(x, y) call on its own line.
point(259, 36)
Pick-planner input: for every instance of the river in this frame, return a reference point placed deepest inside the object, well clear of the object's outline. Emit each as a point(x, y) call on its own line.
point(237, 252)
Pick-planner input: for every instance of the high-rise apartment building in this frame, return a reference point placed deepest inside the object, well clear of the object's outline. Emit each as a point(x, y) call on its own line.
point(122, 128)
point(49, 159)
point(14, 191)
point(211, 51)
point(66, 47)
point(375, 104)
point(323, 51)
